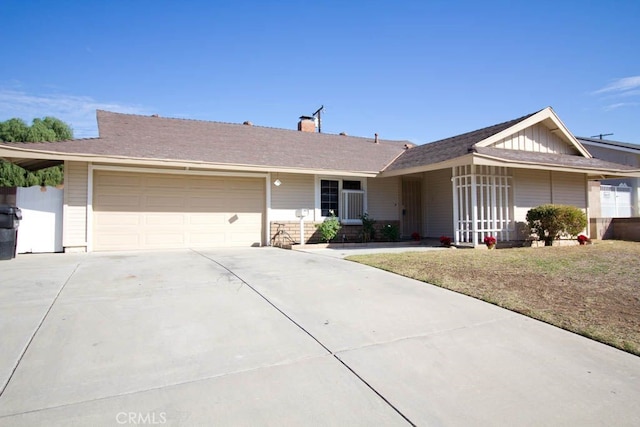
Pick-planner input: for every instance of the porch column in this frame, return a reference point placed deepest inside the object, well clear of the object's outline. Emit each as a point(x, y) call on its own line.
point(474, 207)
point(635, 197)
point(456, 212)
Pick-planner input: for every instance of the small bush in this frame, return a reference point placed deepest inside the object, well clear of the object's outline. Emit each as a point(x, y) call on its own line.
point(329, 228)
point(550, 222)
point(391, 233)
point(368, 229)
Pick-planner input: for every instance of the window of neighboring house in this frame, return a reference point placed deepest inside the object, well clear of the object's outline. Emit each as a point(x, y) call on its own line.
point(344, 197)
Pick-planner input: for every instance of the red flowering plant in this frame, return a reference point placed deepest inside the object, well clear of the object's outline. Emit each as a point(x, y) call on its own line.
point(415, 235)
point(445, 240)
point(490, 241)
point(583, 240)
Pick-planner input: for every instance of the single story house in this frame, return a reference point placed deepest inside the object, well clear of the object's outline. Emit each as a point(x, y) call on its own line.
point(149, 182)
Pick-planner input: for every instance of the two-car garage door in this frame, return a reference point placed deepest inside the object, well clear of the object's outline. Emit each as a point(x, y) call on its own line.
point(156, 211)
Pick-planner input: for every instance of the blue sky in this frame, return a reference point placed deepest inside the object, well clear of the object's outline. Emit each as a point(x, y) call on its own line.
point(416, 70)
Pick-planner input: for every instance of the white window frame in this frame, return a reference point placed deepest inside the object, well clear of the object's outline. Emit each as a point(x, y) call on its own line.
point(340, 179)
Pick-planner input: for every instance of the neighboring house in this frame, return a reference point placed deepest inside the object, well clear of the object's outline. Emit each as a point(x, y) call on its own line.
point(614, 198)
point(152, 182)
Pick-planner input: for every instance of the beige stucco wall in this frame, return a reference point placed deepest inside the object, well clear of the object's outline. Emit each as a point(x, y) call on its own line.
point(74, 223)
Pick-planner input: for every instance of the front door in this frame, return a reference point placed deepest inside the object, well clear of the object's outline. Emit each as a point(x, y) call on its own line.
point(411, 207)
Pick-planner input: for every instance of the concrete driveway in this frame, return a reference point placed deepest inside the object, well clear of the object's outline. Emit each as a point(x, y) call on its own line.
point(272, 337)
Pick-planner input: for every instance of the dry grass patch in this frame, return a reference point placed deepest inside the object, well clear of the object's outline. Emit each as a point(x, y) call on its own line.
point(592, 290)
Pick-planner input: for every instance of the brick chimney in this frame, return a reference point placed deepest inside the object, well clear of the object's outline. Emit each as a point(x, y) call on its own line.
point(307, 124)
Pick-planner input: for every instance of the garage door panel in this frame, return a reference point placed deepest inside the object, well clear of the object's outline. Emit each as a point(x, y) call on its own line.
point(117, 219)
point(207, 220)
point(150, 211)
point(165, 220)
point(202, 204)
point(117, 202)
point(121, 180)
point(205, 239)
point(158, 239)
point(244, 184)
point(116, 240)
point(206, 184)
point(164, 182)
point(164, 203)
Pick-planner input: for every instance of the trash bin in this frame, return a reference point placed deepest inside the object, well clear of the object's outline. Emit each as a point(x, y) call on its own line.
point(10, 217)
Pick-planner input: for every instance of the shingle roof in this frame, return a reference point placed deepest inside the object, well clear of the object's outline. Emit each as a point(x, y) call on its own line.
point(460, 145)
point(566, 160)
point(214, 143)
point(149, 137)
point(608, 142)
point(449, 148)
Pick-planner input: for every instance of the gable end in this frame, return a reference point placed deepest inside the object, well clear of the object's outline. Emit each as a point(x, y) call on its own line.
point(537, 138)
point(543, 118)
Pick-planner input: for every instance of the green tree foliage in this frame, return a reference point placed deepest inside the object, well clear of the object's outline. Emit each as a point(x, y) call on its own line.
point(14, 130)
point(48, 129)
point(550, 222)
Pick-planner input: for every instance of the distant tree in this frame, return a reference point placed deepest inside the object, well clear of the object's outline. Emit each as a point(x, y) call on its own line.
point(13, 130)
point(48, 129)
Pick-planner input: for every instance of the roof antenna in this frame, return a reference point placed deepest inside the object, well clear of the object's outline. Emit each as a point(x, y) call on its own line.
point(318, 116)
point(601, 135)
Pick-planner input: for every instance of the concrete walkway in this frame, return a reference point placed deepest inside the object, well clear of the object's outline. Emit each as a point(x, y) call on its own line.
point(272, 337)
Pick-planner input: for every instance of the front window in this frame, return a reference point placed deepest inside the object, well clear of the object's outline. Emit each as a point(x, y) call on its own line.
point(329, 197)
point(344, 197)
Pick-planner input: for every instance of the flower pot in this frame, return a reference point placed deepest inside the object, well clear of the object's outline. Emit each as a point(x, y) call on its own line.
point(491, 246)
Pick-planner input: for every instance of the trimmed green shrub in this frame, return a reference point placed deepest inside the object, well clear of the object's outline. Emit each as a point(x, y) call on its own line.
point(329, 227)
point(391, 233)
point(550, 222)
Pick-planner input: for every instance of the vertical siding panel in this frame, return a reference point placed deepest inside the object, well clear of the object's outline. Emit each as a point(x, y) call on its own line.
point(537, 138)
point(74, 234)
point(569, 189)
point(383, 196)
point(296, 192)
point(536, 187)
point(527, 140)
point(438, 203)
point(532, 188)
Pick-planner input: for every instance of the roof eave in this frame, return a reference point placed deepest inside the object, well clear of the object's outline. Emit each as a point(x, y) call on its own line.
point(456, 161)
point(486, 160)
point(20, 155)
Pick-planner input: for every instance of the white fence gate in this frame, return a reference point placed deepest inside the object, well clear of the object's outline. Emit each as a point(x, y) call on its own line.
point(41, 227)
point(615, 201)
